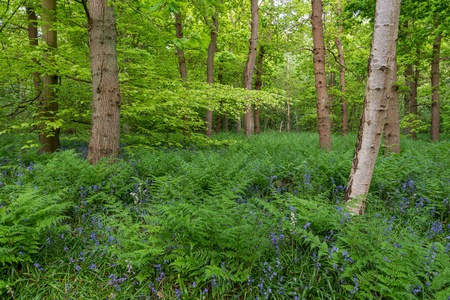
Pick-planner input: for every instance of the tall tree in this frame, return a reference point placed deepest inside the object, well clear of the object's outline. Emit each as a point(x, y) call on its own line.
point(288, 117)
point(435, 87)
point(381, 70)
point(323, 106)
point(106, 98)
point(250, 65)
point(48, 104)
point(342, 72)
point(258, 85)
point(214, 28)
point(392, 126)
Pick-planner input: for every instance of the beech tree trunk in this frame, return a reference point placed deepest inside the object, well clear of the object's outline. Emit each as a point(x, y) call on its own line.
point(435, 88)
point(392, 126)
point(48, 105)
point(250, 66)
point(106, 99)
point(258, 85)
point(344, 127)
point(380, 79)
point(323, 107)
point(182, 67)
point(210, 69)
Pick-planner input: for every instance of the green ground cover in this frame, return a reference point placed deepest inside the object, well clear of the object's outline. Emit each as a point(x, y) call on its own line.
point(243, 219)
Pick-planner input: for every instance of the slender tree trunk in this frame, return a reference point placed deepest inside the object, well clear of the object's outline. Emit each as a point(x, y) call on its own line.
point(435, 87)
point(392, 126)
point(33, 42)
point(238, 124)
point(409, 72)
point(182, 67)
point(258, 85)
point(413, 98)
point(323, 107)
point(250, 66)
point(225, 122)
point(210, 69)
point(344, 128)
point(380, 79)
point(106, 99)
point(288, 123)
point(48, 105)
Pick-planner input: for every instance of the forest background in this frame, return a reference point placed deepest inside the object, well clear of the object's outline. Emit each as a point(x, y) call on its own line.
point(184, 213)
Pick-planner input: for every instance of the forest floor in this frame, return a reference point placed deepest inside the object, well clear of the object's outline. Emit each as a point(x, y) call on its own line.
point(261, 218)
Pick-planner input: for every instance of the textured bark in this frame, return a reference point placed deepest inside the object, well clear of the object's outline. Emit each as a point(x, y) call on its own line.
point(33, 41)
point(380, 78)
point(392, 126)
point(250, 66)
point(47, 104)
point(344, 127)
point(323, 107)
point(258, 85)
point(106, 99)
point(210, 70)
point(435, 87)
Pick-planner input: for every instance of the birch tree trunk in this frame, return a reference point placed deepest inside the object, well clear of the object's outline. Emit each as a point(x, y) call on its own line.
point(48, 105)
point(435, 87)
point(380, 79)
point(323, 106)
point(250, 66)
point(106, 99)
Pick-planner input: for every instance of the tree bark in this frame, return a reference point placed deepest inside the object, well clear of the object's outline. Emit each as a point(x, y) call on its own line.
point(182, 67)
point(323, 107)
point(106, 98)
point(250, 66)
point(435, 88)
point(47, 104)
point(344, 127)
point(258, 85)
point(210, 69)
point(392, 126)
point(380, 78)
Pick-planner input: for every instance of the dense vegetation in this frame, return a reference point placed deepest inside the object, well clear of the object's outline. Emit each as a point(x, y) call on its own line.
point(261, 218)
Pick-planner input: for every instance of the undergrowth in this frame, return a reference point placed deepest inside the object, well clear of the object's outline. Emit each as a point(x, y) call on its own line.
point(256, 219)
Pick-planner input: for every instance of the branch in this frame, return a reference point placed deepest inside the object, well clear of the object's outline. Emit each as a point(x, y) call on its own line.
point(78, 79)
point(339, 63)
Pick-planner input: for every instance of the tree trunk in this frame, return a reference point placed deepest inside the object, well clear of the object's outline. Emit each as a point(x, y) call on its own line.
point(409, 72)
point(182, 67)
point(380, 79)
point(225, 122)
point(105, 132)
point(210, 69)
point(435, 88)
point(342, 73)
point(392, 126)
point(238, 124)
point(323, 107)
point(413, 95)
point(258, 85)
point(48, 105)
point(33, 42)
point(250, 66)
